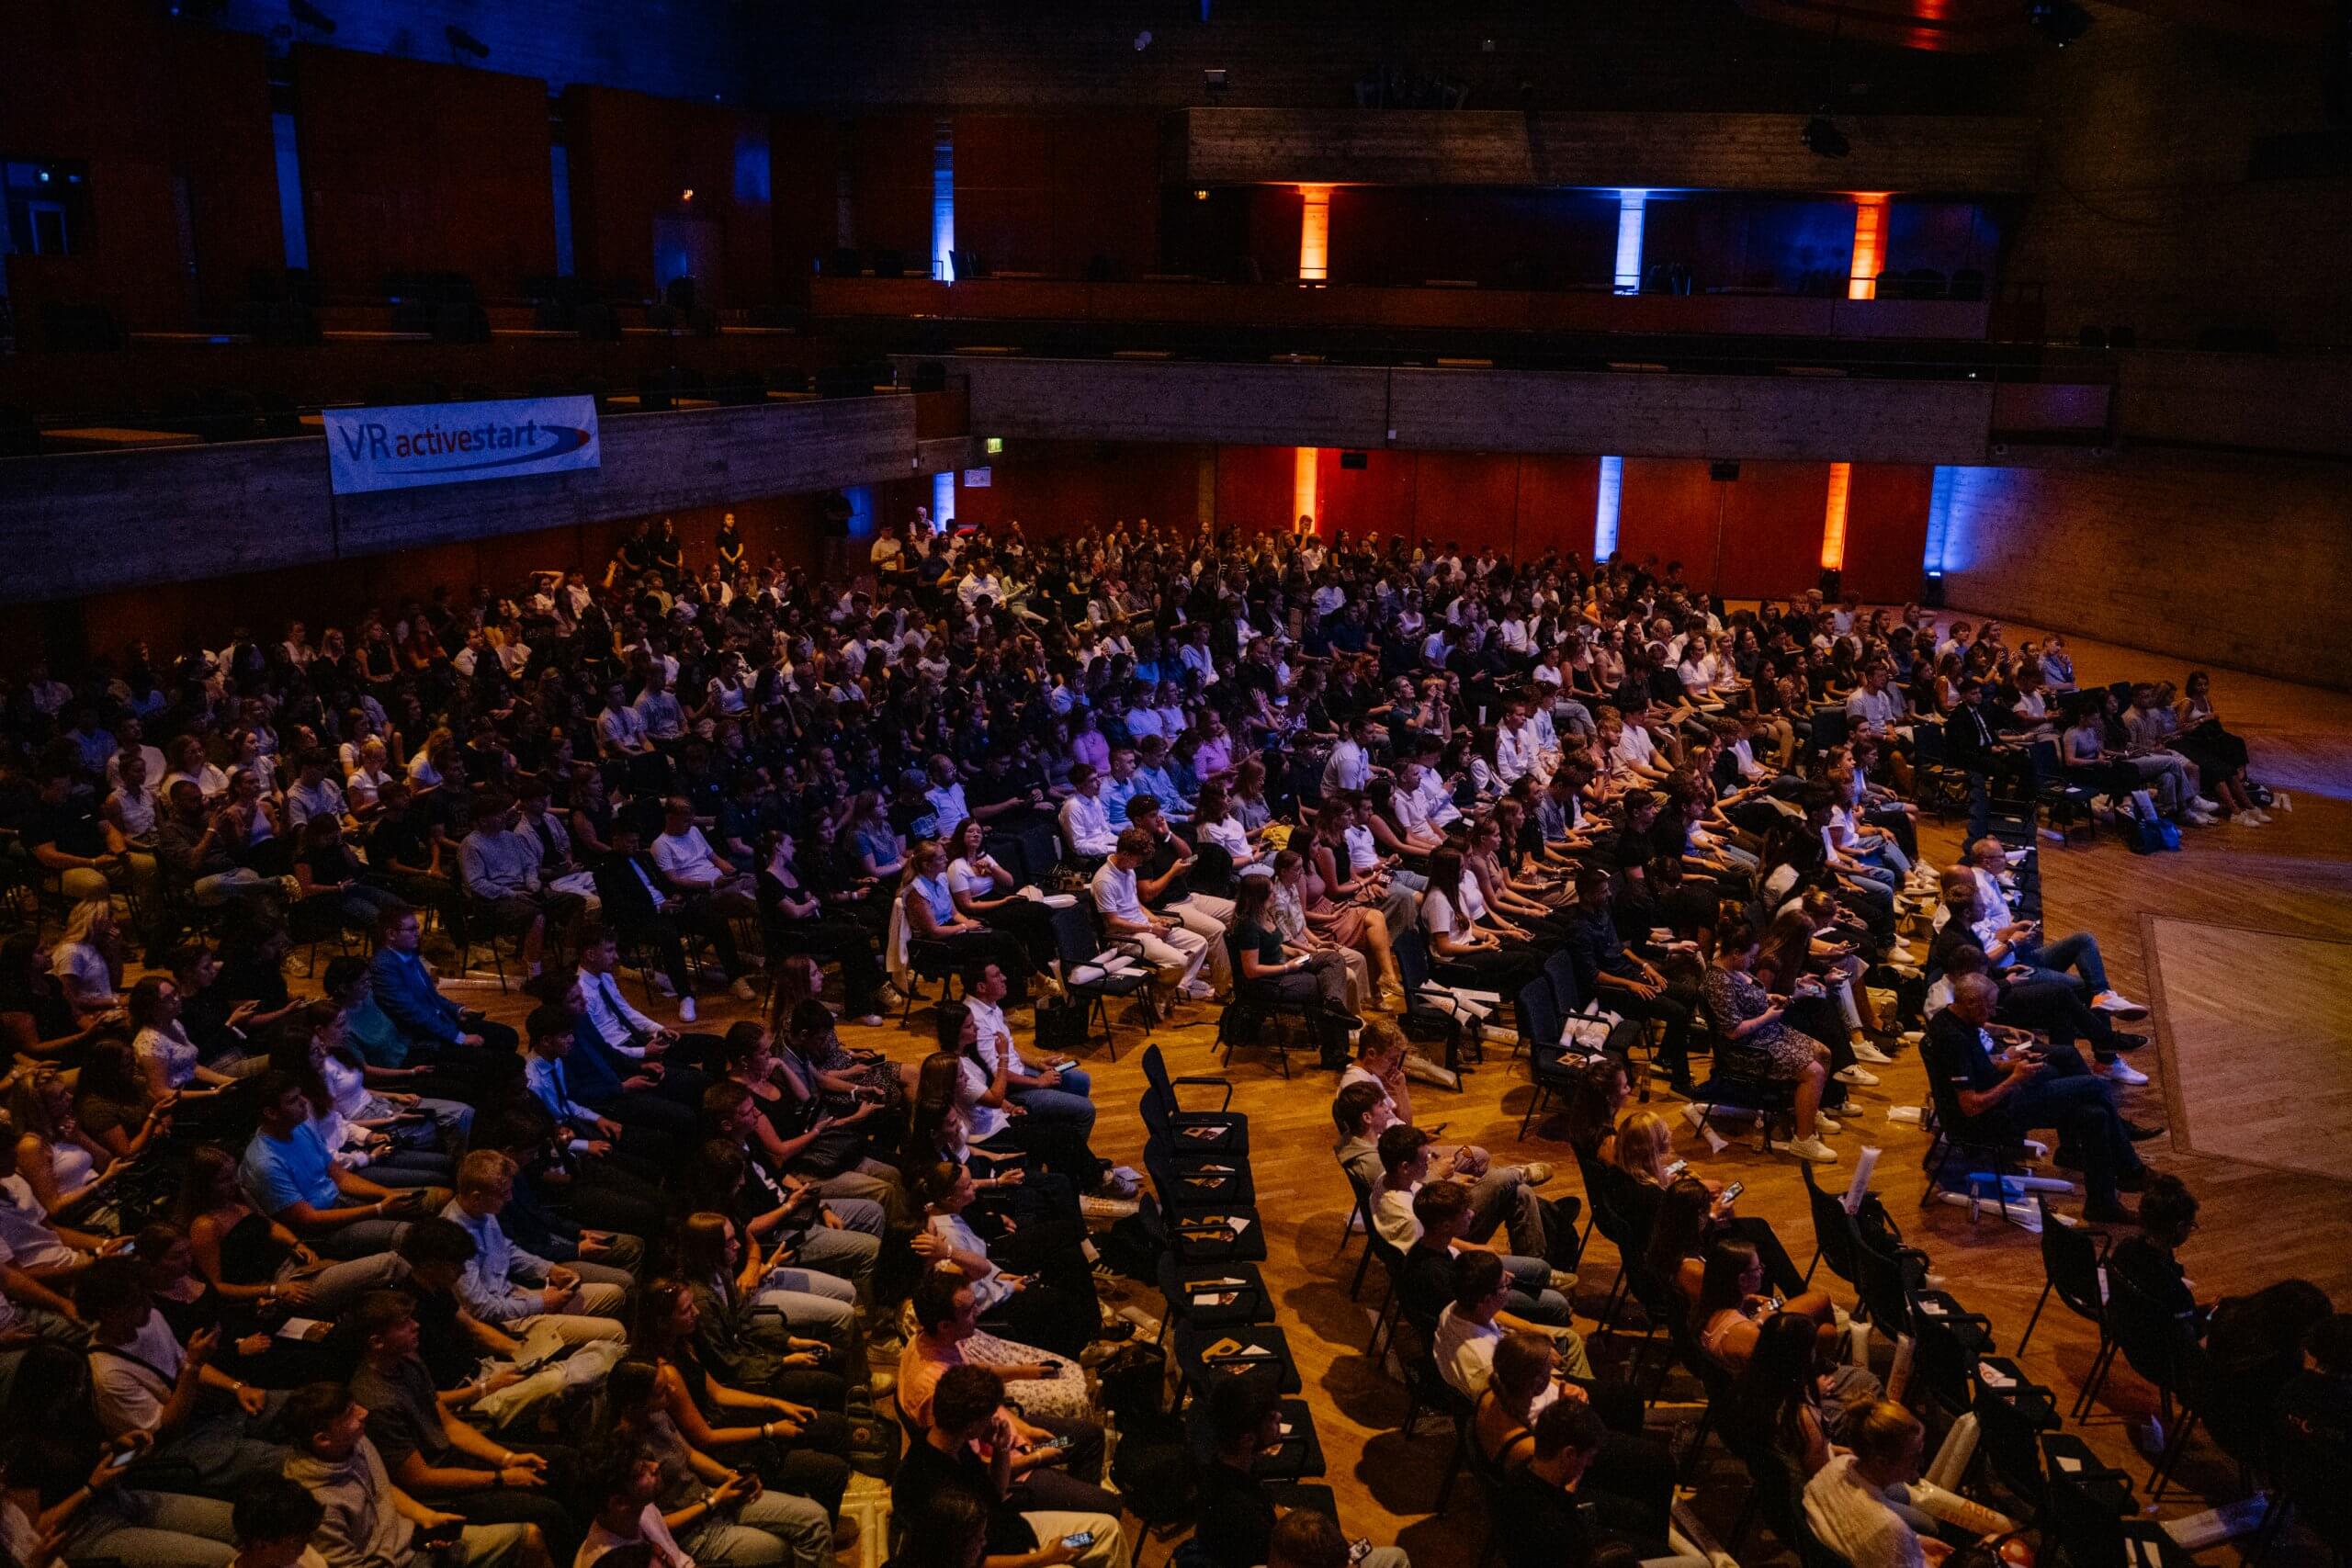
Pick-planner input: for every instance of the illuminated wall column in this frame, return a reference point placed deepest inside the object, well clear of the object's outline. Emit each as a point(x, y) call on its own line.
point(1315, 234)
point(1833, 517)
point(942, 499)
point(1303, 502)
point(1632, 207)
point(1604, 511)
point(1870, 245)
point(1938, 520)
point(943, 201)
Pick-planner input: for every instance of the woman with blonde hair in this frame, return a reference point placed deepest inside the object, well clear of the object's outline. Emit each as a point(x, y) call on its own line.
point(67, 1169)
point(88, 959)
point(1645, 1154)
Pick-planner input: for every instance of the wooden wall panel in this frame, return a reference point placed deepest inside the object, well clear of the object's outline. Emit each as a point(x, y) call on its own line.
point(1666, 509)
point(632, 156)
point(1254, 487)
point(890, 159)
point(1054, 489)
point(1557, 496)
point(805, 154)
point(1469, 497)
point(1886, 530)
point(1378, 498)
point(1771, 542)
point(146, 104)
point(410, 167)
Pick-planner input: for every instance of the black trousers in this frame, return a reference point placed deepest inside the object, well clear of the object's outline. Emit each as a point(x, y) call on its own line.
point(846, 943)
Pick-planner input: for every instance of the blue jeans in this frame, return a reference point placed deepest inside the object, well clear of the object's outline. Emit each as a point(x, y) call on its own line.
point(847, 1254)
point(2079, 952)
point(1066, 1106)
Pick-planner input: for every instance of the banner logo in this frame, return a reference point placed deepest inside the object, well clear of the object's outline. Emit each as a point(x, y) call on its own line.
point(441, 443)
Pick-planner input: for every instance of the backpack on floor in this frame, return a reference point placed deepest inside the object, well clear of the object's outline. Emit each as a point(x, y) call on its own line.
point(1061, 1026)
point(2151, 836)
point(1151, 1467)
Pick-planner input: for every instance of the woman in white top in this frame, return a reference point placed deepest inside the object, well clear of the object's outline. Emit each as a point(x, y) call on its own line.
point(1214, 821)
point(166, 1053)
point(984, 891)
point(67, 1168)
point(186, 754)
point(345, 1074)
point(88, 959)
point(366, 775)
point(1451, 912)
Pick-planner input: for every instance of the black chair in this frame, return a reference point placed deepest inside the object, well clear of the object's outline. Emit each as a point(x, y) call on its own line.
point(2012, 1414)
point(1427, 1390)
point(1077, 937)
point(1948, 1339)
point(1537, 1017)
point(1242, 1020)
point(1359, 1219)
point(1222, 1131)
point(1835, 1239)
point(928, 961)
point(2073, 1261)
point(1185, 1187)
point(1196, 1365)
point(1741, 1077)
point(1421, 1021)
point(1212, 1296)
point(1999, 1158)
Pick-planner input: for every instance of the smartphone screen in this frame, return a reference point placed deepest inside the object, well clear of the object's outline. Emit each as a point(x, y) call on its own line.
point(1080, 1542)
point(122, 1459)
point(1734, 1190)
point(1359, 1550)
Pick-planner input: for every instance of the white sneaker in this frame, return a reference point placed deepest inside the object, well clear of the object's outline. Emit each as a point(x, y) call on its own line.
point(1901, 954)
point(2204, 805)
point(685, 1010)
point(1870, 1055)
point(1823, 1122)
point(2279, 798)
point(743, 990)
point(2122, 1072)
point(1197, 991)
point(2261, 818)
point(1861, 1078)
point(871, 1021)
point(662, 983)
point(2200, 819)
point(1812, 1149)
point(1912, 1036)
point(2118, 1004)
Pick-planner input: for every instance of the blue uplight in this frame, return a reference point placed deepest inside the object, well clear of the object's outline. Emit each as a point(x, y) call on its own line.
point(1604, 511)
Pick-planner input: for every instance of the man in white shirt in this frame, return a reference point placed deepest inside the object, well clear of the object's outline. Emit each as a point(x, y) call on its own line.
point(1164, 943)
point(695, 869)
point(620, 730)
point(1086, 825)
point(313, 793)
point(1874, 707)
point(195, 1414)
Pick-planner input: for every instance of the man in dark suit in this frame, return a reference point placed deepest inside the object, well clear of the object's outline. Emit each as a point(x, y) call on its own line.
point(1969, 746)
point(2007, 1086)
point(639, 904)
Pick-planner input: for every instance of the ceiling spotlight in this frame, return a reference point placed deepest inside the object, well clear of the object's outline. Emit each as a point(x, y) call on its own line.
point(1143, 40)
point(2060, 21)
point(464, 43)
point(310, 15)
point(1824, 140)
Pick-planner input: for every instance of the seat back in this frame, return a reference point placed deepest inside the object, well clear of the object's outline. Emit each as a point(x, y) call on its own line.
point(2152, 1338)
point(1411, 952)
point(1880, 1280)
point(1211, 870)
point(1538, 1018)
point(1158, 1090)
point(2072, 1259)
point(1560, 969)
point(1077, 935)
point(2009, 1424)
point(1833, 1228)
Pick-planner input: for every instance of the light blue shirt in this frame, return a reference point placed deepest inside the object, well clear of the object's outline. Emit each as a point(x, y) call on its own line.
point(1115, 796)
point(277, 1175)
point(495, 1286)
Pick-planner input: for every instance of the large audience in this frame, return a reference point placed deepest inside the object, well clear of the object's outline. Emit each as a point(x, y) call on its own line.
point(344, 1268)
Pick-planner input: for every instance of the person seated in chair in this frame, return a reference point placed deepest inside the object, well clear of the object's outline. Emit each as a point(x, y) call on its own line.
point(1238, 1512)
point(1443, 1211)
point(1473, 1323)
point(1502, 1197)
point(2006, 1085)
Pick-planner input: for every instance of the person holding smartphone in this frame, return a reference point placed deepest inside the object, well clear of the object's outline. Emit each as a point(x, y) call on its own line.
point(369, 1522)
point(971, 1449)
point(292, 1178)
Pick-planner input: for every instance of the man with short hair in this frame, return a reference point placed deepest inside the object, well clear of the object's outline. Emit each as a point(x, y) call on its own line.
point(1161, 880)
point(197, 1418)
point(518, 1291)
point(407, 992)
point(968, 1420)
point(440, 1461)
point(1397, 1214)
point(291, 1176)
point(2004, 1092)
point(1086, 822)
point(370, 1522)
point(1164, 943)
point(499, 867)
point(1547, 1515)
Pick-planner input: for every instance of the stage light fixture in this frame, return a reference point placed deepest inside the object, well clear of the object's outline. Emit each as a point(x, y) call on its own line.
point(1824, 140)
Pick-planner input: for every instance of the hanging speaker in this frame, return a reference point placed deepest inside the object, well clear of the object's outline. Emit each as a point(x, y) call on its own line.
point(1723, 472)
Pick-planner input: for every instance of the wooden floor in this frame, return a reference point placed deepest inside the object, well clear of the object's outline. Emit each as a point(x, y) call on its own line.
point(2257, 1052)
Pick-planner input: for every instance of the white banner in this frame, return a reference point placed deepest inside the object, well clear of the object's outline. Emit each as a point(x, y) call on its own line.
point(443, 443)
